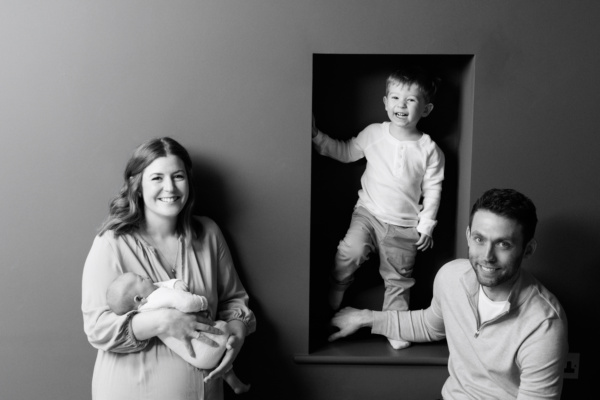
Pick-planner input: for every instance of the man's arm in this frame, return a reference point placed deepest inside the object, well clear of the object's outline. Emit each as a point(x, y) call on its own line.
point(541, 359)
point(415, 326)
point(349, 320)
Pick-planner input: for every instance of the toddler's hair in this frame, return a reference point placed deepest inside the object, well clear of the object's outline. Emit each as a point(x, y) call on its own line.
point(414, 75)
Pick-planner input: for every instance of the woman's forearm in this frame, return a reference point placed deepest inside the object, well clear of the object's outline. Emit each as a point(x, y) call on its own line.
point(237, 327)
point(171, 322)
point(148, 324)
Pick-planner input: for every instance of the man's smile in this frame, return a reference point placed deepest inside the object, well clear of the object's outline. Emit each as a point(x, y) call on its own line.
point(488, 269)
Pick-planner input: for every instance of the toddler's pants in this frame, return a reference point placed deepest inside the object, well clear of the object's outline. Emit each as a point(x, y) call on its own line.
point(397, 250)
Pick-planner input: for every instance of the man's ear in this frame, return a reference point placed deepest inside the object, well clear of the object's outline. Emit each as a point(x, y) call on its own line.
point(530, 248)
point(468, 234)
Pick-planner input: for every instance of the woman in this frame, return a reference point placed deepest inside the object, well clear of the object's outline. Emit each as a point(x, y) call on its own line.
point(150, 231)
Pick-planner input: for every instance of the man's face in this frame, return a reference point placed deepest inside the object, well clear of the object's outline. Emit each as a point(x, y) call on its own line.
point(496, 250)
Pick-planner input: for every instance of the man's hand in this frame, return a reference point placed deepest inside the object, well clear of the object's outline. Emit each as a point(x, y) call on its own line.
point(425, 242)
point(349, 320)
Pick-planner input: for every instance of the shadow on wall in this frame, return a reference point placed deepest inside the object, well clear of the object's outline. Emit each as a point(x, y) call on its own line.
point(567, 262)
point(573, 283)
point(211, 195)
point(260, 362)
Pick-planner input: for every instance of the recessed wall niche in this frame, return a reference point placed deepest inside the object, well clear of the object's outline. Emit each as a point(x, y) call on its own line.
point(348, 93)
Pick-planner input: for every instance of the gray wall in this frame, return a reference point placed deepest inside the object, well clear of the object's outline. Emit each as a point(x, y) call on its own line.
point(82, 83)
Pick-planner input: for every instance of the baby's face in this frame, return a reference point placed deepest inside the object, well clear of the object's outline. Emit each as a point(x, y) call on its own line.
point(141, 285)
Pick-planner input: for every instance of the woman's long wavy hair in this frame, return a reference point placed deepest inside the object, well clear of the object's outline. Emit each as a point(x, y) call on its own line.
point(126, 211)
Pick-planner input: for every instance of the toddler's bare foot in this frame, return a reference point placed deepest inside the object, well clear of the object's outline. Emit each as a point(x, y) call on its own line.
point(399, 344)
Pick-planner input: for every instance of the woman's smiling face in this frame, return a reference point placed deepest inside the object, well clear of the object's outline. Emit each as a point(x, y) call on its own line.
point(165, 187)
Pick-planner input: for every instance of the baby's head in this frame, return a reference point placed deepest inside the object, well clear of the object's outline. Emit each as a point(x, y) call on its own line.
point(128, 292)
point(409, 76)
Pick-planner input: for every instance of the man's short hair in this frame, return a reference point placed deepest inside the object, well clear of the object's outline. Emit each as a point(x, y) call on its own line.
point(512, 205)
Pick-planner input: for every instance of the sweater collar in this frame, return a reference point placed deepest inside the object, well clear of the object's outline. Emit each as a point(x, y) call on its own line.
point(518, 293)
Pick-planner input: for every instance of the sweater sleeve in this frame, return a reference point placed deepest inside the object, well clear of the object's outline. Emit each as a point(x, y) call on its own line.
point(541, 359)
point(425, 325)
point(104, 329)
point(344, 151)
point(432, 191)
point(413, 326)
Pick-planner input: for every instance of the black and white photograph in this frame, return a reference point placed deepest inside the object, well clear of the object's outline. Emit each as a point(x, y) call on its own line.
point(299, 199)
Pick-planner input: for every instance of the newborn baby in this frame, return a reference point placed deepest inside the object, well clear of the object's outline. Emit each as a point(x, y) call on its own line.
point(131, 291)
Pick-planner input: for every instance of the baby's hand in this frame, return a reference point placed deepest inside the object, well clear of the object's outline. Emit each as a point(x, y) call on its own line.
point(425, 242)
point(181, 285)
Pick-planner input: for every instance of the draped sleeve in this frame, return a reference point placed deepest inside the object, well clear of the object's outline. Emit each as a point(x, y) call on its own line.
point(104, 329)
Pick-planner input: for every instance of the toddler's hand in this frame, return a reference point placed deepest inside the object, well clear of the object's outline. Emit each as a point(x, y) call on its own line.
point(425, 242)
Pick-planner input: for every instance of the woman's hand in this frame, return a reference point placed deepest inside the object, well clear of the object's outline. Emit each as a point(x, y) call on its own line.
point(177, 324)
point(186, 327)
point(233, 346)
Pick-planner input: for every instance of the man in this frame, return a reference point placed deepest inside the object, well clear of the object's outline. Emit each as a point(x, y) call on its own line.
point(507, 334)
